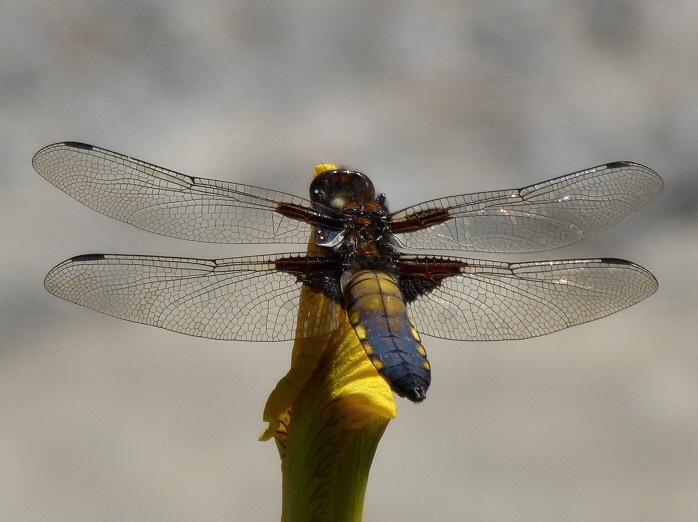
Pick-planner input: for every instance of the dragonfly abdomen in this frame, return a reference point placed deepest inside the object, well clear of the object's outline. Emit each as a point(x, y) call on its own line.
point(376, 310)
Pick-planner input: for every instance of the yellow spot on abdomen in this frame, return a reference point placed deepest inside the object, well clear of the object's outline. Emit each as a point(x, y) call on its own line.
point(378, 363)
point(354, 316)
point(361, 332)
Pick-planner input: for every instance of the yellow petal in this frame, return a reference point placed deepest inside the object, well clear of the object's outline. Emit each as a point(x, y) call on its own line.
point(334, 427)
point(327, 414)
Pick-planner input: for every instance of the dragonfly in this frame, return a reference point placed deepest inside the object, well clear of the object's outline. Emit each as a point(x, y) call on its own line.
point(379, 268)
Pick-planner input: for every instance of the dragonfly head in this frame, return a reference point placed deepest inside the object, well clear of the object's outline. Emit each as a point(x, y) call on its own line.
point(343, 189)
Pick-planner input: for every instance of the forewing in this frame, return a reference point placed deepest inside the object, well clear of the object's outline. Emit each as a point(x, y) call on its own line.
point(242, 299)
point(546, 215)
point(165, 202)
point(490, 300)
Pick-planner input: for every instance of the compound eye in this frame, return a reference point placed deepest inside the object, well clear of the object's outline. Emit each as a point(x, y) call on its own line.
point(319, 190)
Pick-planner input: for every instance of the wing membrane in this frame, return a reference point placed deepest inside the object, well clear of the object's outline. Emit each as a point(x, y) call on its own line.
point(169, 203)
point(493, 300)
point(539, 217)
point(244, 299)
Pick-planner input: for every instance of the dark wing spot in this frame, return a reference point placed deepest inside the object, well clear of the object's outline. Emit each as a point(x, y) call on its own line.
point(87, 257)
point(618, 164)
point(78, 145)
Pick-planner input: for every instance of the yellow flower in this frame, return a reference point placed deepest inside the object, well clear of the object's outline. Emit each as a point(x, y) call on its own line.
point(327, 416)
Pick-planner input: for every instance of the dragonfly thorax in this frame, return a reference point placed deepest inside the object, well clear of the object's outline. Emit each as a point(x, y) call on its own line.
point(351, 197)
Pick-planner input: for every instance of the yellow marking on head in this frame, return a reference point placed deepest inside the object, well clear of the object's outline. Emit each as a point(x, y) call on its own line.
point(421, 350)
point(338, 203)
point(324, 167)
point(427, 366)
point(415, 336)
point(361, 332)
point(368, 348)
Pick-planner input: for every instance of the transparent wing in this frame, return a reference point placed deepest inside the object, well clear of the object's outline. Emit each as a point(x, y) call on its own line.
point(165, 202)
point(546, 215)
point(491, 300)
point(244, 299)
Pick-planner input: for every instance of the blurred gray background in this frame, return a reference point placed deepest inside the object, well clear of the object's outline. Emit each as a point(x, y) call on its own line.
point(106, 420)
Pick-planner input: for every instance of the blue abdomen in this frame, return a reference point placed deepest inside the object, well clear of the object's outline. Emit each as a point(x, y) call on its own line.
point(377, 312)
